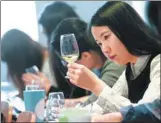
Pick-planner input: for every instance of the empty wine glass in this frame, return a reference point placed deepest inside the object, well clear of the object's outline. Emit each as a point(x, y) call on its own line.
point(54, 105)
point(52, 110)
point(69, 48)
point(59, 96)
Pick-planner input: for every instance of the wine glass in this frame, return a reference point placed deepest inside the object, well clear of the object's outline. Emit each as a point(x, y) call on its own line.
point(69, 48)
point(52, 110)
point(54, 104)
point(59, 96)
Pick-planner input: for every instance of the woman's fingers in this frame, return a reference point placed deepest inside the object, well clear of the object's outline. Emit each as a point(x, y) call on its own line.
point(72, 76)
point(40, 74)
point(27, 77)
point(77, 75)
point(42, 77)
point(82, 77)
point(38, 79)
point(30, 78)
point(75, 66)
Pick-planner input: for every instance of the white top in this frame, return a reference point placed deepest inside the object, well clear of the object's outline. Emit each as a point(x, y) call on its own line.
point(112, 99)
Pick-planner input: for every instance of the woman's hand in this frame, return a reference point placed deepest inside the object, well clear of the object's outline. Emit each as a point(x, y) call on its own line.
point(111, 117)
point(75, 101)
point(39, 79)
point(71, 103)
point(81, 76)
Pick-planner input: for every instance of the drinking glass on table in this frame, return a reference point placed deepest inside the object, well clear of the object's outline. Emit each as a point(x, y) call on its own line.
point(54, 105)
point(59, 96)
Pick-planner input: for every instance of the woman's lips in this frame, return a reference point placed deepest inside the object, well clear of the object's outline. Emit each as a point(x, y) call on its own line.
point(112, 57)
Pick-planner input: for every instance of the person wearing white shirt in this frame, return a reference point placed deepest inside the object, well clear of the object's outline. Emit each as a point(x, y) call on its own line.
point(125, 39)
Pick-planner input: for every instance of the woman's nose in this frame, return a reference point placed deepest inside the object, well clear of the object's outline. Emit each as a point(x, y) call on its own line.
point(106, 49)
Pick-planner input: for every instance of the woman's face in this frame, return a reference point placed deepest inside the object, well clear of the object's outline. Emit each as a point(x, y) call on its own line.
point(111, 46)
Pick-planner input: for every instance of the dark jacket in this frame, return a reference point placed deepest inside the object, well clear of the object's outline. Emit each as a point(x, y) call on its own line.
point(143, 113)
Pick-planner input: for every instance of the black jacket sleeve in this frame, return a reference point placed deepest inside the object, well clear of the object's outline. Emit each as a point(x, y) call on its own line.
point(143, 113)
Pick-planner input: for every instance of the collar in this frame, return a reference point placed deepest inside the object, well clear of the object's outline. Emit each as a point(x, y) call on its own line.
point(140, 64)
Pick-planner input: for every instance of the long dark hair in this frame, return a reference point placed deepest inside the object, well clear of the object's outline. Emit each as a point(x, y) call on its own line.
point(70, 25)
point(19, 51)
point(128, 26)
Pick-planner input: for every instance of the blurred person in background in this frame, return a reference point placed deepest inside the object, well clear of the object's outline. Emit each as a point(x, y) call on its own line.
point(53, 14)
point(50, 17)
point(19, 52)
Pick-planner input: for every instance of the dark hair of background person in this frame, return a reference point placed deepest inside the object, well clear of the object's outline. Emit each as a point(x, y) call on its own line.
point(78, 28)
point(19, 51)
point(3, 120)
point(153, 12)
point(128, 26)
point(53, 14)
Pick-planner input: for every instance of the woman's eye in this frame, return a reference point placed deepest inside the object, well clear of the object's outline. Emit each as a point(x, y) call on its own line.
point(106, 37)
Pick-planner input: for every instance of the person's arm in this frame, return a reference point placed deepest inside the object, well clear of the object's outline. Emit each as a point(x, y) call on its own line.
point(112, 100)
point(75, 101)
point(143, 113)
point(111, 72)
point(91, 99)
point(84, 78)
point(81, 99)
point(147, 112)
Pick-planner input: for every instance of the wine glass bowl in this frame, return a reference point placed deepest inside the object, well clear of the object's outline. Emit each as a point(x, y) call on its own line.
point(54, 104)
point(69, 48)
point(59, 96)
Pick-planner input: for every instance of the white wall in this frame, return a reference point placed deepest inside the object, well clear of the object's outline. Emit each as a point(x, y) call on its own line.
point(20, 15)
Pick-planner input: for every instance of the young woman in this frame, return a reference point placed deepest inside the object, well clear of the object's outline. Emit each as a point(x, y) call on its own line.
point(90, 55)
point(125, 39)
point(146, 112)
